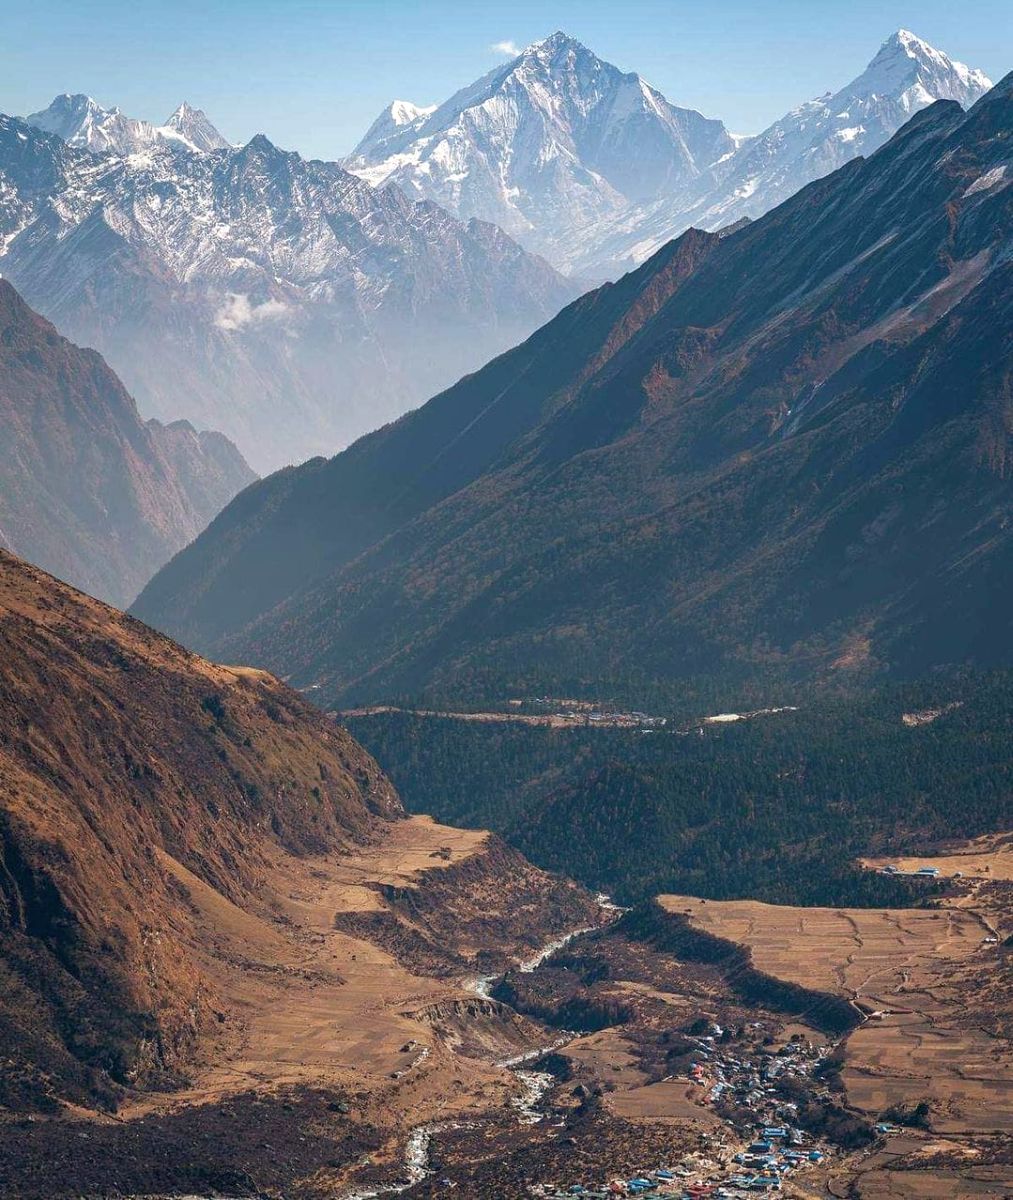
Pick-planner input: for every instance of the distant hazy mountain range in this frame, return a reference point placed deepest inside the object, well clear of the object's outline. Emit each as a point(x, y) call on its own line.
point(780, 451)
point(283, 301)
point(86, 125)
point(594, 169)
point(88, 490)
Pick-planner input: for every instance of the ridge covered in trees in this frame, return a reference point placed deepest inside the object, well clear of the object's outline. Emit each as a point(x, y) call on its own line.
point(777, 807)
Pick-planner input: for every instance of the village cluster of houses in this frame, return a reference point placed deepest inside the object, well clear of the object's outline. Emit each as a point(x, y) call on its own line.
point(592, 712)
point(760, 1168)
point(919, 873)
point(774, 1148)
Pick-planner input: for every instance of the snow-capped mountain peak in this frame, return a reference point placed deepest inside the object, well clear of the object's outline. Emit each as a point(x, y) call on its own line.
point(554, 135)
point(83, 123)
point(910, 71)
point(551, 47)
point(403, 112)
point(394, 119)
point(235, 287)
point(193, 126)
point(69, 112)
point(86, 125)
point(814, 139)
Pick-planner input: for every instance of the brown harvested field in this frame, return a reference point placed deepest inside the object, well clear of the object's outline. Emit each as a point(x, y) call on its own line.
point(673, 1100)
point(973, 1183)
point(917, 969)
point(871, 954)
point(609, 1056)
point(545, 720)
point(965, 1074)
point(556, 720)
point(410, 849)
point(910, 1167)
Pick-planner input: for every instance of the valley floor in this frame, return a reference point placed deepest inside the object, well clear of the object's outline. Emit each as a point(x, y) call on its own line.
point(371, 1041)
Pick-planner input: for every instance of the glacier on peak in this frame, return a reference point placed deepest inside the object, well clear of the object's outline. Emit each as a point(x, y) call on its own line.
point(594, 169)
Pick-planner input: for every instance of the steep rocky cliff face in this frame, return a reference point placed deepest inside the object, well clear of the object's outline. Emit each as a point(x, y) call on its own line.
point(87, 489)
point(127, 767)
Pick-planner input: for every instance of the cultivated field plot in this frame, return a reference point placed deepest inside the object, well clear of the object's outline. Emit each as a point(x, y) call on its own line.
point(671, 1100)
point(986, 1183)
point(905, 1059)
point(914, 970)
point(970, 1180)
point(609, 1055)
point(873, 954)
point(406, 852)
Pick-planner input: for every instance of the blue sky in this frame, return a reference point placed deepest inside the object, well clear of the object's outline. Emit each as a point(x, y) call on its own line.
point(312, 74)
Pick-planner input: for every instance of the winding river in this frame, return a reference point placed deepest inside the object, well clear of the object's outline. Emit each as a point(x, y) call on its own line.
point(535, 1084)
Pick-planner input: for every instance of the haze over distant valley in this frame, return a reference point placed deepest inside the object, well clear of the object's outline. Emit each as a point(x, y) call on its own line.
point(284, 302)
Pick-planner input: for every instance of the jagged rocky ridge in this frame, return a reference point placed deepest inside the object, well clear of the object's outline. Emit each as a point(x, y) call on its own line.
point(83, 123)
point(785, 450)
point(246, 289)
point(88, 490)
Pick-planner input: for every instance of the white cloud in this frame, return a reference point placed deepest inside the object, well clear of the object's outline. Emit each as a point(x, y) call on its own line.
point(508, 47)
point(237, 312)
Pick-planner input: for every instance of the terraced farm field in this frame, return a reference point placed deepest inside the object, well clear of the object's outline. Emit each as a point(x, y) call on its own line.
point(872, 955)
point(909, 970)
point(934, 987)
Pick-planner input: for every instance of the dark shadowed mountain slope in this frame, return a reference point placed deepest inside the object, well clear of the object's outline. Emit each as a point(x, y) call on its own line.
point(783, 450)
point(88, 490)
point(776, 805)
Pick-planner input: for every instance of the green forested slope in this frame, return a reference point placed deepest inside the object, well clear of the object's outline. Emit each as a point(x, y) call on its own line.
point(776, 807)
